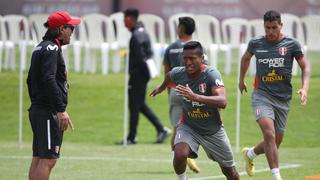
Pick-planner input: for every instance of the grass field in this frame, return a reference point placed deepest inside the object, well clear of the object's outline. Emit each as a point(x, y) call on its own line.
point(96, 108)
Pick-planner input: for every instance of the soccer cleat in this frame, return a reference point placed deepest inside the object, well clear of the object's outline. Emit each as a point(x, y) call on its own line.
point(278, 178)
point(192, 165)
point(129, 142)
point(163, 135)
point(249, 162)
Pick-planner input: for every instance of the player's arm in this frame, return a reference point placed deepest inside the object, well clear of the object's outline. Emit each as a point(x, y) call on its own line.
point(305, 76)
point(166, 70)
point(218, 98)
point(245, 62)
point(163, 86)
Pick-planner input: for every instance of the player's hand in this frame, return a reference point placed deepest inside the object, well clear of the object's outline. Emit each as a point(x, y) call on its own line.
point(185, 91)
point(64, 121)
point(303, 96)
point(242, 86)
point(155, 92)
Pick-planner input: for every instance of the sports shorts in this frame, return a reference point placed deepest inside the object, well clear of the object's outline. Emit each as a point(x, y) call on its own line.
point(265, 105)
point(47, 137)
point(217, 146)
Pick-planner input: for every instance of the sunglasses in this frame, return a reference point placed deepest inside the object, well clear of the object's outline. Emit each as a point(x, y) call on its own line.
point(69, 26)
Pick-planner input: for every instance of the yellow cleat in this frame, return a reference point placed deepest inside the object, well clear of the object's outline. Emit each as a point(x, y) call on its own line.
point(192, 165)
point(249, 162)
point(278, 178)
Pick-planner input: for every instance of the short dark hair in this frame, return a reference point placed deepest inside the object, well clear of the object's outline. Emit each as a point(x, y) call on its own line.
point(272, 15)
point(132, 12)
point(188, 25)
point(194, 45)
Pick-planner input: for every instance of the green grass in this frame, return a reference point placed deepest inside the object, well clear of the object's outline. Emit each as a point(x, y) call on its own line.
point(96, 108)
point(144, 162)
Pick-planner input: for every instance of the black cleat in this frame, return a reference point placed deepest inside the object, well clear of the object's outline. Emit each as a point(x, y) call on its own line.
point(129, 142)
point(163, 135)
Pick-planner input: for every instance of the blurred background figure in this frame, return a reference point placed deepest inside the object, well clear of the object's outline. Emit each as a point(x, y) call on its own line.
point(139, 51)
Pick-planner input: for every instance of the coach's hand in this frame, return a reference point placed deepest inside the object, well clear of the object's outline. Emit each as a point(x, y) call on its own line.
point(64, 121)
point(303, 96)
point(242, 86)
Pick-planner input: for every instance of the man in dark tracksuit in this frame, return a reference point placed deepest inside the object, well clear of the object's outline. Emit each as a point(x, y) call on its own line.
point(48, 91)
point(140, 51)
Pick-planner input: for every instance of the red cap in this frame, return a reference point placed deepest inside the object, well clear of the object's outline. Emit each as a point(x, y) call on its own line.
point(61, 18)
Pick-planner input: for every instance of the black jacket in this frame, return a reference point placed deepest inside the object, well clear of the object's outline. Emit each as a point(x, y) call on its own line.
point(140, 51)
point(47, 77)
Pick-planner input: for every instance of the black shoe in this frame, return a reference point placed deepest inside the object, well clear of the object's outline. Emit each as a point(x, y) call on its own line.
point(163, 135)
point(129, 142)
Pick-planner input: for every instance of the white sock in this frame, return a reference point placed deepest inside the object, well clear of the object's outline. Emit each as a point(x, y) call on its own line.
point(182, 176)
point(275, 172)
point(251, 154)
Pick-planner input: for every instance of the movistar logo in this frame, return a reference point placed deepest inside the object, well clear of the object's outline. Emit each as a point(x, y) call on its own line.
point(51, 48)
point(219, 82)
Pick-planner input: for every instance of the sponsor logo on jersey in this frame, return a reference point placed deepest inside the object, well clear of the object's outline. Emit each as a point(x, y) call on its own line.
point(52, 47)
point(198, 114)
point(174, 51)
point(219, 82)
point(193, 103)
point(283, 51)
point(202, 87)
point(273, 62)
point(272, 77)
point(141, 29)
point(38, 48)
point(261, 51)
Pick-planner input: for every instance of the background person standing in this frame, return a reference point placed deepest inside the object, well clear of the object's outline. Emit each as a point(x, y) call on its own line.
point(139, 51)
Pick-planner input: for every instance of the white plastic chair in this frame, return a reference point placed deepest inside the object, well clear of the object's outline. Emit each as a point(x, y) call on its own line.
point(37, 28)
point(2, 39)
point(98, 30)
point(209, 35)
point(312, 32)
point(256, 27)
point(78, 41)
point(173, 22)
point(154, 26)
point(235, 33)
point(122, 37)
point(292, 27)
point(17, 35)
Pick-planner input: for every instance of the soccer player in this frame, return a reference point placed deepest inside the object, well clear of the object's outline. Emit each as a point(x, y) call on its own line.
point(48, 91)
point(140, 51)
point(173, 57)
point(203, 95)
point(272, 88)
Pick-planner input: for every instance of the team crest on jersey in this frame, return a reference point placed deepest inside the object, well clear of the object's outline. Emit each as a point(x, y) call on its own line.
point(283, 51)
point(202, 87)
